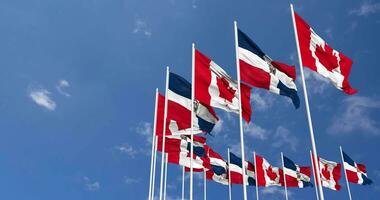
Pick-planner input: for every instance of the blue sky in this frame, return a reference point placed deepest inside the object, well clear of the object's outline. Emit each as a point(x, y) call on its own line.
point(78, 78)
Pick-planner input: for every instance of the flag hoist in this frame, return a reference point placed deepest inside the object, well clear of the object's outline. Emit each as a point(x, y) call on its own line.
point(192, 118)
point(240, 112)
point(154, 150)
point(164, 135)
point(284, 176)
point(310, 123)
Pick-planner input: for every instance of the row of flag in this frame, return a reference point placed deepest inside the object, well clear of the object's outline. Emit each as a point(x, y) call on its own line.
point(188, 110)
point(260, 172)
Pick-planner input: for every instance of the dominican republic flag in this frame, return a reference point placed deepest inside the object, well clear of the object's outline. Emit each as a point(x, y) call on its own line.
point(218, 170)
point(178, 149)
point(259, 70)
point(236, 170)
point(267, 175)
point(330, 173)
point(321, 58)
point(183, 159)
point(295, 175)
point(355, 172)
point(215, 88)
point(178, 121)
point(182, 143)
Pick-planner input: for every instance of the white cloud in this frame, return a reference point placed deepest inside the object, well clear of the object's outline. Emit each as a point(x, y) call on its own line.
point(315, 83)
point(129, 180)
point(127, 149)
point(62, 84)
point(142, 27)
point(41, 97)
point(256, 131)
point(356, 116)
point(275, 191)
point(366, 8)
point(145, 129)
point(262, 100)
point(283, 137)
point(218, 127)
point(91, 185)
point(194, 4)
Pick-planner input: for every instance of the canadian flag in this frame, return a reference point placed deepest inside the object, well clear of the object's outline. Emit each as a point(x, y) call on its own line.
point(215, 88)
point(320, 57)
point(330, 173)
point(267, 175)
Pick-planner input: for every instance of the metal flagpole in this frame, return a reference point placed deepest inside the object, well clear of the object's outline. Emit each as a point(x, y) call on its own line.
point(229, 176)
point(315, 178)
point(240, 112)
point(283, 170)
point(153, 146)
point(163, 133)
point(154, 165)
point(314, 148)
point(204, 185)
point(183, 182)
point(345, 173)
point(256, 181)
point(166, 174)
point(192, 118)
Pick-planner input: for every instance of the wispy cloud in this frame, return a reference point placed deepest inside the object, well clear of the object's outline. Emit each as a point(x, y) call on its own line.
point(42, 98)
point(142, 27)
point(127, 149)
point(262, 100)
point(316, 84)
point(366, 8)
point(256, 131)
point(275, 191)
point(194, 4)
point(283, 137)
point(62, 85)
point(356, 115)
point(145, 129)
point(91, 185)
point(218, 127)
point(130, 180)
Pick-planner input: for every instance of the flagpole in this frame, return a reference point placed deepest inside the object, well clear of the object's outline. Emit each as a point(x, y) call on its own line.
point(183, 182)
point(240, 113)
point(283, 170)
point(229, 175)
point(256, 181)
point(192, 118)
point(314, 148)
point(166, 174)
point(164, 133)
point(204, 185)
point(315, 178)
point(153, 146)
point(345, 173)
point(154, 165)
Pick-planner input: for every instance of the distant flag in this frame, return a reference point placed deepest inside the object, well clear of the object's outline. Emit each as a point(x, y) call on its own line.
point(330, 173)
point(259, 70)
point(218, 170)
point(235, 168)
point(355, 172)
point(179, 110)
point(215, 88)
point(178, 143)
point(320, 57)
point(178, 150)
point(267, 175)
point(295, 175)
